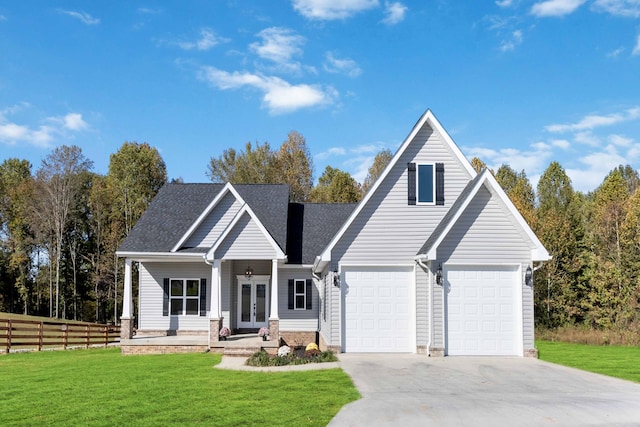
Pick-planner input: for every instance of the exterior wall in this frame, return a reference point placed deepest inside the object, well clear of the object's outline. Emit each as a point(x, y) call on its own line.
point(297, 320)
point(227, 281)
point(422, 309)
point(245, 241)
point(388, 230)
point(237, 268)
point(151, 276)
point(215, 223)
point(326, 316)
point(486, 234)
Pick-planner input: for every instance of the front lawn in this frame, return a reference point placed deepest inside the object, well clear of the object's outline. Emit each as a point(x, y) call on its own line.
point(102, 387)
point(615, 361)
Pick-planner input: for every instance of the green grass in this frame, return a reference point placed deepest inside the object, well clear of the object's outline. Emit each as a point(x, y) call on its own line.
point(102, 387)
point(614, 361)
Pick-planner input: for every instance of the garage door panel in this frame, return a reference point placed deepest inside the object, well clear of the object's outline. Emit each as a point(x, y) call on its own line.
point(377, 310)
point(481, 310)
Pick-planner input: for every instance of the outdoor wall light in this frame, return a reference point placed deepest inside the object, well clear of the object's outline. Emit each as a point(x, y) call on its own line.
point(439, 275)
point(528, 276)
point(248, 273)
point(336, 279)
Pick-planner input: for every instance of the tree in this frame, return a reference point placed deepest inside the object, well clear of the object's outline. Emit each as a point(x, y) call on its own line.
point(336, 186)
point(519, 190)
point(58, 182)
point(478, 165)
point(136, 174)
point(254, 165)
point(15, 192)
point(380, 162)
point(295, 166)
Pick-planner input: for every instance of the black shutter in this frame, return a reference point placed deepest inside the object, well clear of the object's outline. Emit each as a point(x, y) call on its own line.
point(203, 297)
point(309, 293)
point(291, 296)
point(439, 183)
point(411, 183)
point(165, 297)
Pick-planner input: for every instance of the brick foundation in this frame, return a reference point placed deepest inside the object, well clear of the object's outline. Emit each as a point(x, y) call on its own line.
point(126, 329)
point(421, 349)
point(322, 344)
point(298, 338)
point(162, 349)
point(214, 330)
point(531, 352)
point(436, 352)
point(274, 329)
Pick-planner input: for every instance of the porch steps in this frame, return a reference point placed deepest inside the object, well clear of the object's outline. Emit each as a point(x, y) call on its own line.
point(240, 351)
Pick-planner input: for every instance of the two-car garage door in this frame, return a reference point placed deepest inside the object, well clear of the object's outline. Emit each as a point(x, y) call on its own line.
point(482, 311)
point(377, 309)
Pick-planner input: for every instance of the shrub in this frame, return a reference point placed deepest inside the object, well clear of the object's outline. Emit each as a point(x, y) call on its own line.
point(262, 358)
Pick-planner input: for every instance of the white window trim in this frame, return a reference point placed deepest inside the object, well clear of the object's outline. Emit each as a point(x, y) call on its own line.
point(184, 296)
point(296, 294)
point(433, 183)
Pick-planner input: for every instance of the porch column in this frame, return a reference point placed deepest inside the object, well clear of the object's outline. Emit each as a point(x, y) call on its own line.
point(126, 320)
point(215, 312)
point(274, 318)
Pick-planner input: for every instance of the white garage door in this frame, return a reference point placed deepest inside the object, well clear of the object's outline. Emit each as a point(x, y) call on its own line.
point(377, 309)
point(482, 311)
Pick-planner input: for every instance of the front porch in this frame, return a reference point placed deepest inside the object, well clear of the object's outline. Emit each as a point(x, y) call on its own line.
point(236, 345)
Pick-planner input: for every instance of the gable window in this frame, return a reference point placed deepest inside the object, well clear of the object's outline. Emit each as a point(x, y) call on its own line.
point(184, 297)
point(300, 294)
point(425, 183)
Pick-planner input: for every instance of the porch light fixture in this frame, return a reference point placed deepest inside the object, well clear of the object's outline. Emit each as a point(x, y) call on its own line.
point(439, 275)
point(336, 279)
point(248, 273)
point(528, 276)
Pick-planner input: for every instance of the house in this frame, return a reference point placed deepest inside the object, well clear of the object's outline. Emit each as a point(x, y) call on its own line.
point(435, 259)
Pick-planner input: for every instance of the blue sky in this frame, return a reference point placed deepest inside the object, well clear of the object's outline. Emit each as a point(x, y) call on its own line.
point(513, 81)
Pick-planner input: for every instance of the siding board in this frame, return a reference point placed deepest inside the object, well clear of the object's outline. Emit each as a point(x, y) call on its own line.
point(214, 224)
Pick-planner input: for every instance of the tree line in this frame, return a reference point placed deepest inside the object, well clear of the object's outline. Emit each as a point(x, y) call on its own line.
point(61, 224)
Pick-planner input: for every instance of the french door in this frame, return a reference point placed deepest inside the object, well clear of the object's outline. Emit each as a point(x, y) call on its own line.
point(253, 302)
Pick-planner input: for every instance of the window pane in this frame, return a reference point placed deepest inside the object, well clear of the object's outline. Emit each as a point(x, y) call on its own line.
point(176, 288)
point(425, 183)
point(299, 286)
point(176, 306)
point(300, 302)
point(246, 303)
point(261, 306)
point(192, 306)
point(193, 288)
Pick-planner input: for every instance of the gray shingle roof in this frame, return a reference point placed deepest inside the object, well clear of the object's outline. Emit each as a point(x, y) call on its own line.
point(311, 228)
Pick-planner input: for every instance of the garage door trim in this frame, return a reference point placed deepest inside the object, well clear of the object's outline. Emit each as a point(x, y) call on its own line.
point(407, 268)
point(518, 309)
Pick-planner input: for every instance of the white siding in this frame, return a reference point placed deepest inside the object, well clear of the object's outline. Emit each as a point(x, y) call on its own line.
point(214, 224)
point(151, 296)
point(225, 293)
point(422, 307)
point(245, 241)
point(388, 230)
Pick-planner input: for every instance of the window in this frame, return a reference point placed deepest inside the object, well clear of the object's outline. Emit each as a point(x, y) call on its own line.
point(184, 297)
point(426, 181)
point(300, 294)
point(425, 184)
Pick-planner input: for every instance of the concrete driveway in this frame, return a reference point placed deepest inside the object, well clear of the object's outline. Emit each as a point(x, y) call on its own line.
point(413, 390)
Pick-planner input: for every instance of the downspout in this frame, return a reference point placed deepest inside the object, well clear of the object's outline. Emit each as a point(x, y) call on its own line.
point(425, 267)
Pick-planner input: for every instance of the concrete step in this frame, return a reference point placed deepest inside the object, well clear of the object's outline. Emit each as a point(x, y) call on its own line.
point(240, 351)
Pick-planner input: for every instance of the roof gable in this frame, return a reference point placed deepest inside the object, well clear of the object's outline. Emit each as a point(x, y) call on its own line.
point(427, 120)
point(430, 247)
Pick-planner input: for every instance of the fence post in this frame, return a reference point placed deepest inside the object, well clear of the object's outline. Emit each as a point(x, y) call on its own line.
point(65, 335)
point(106, 336)
point(40, 335)
point(8, 343)
point(87, 334)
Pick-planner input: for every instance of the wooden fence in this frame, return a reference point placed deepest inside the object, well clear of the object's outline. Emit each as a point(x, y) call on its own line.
point(37, 335)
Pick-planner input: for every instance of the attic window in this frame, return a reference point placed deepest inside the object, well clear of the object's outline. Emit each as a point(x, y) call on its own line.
point(426, 183)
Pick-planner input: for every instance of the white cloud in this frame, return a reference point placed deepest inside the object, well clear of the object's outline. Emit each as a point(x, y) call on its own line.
point(394, 13)
point(332, 9)
point(615, 53)
point(279, 95)
point(278, 44)
point(84, 17)
point(628, 8)
point(149, 11)
point(593, 121)
point(555, 7)
point(504, 3)
point(636, 49)
point(41, 135)
point(560, 143)
point(207, 40)
point(341, 65)
point(531, 161)
point(587, 138)
point(331, 152)
point(513, 42)
point(620, 140)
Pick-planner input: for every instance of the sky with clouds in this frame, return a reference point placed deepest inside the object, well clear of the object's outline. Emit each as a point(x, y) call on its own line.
point(513, 81)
